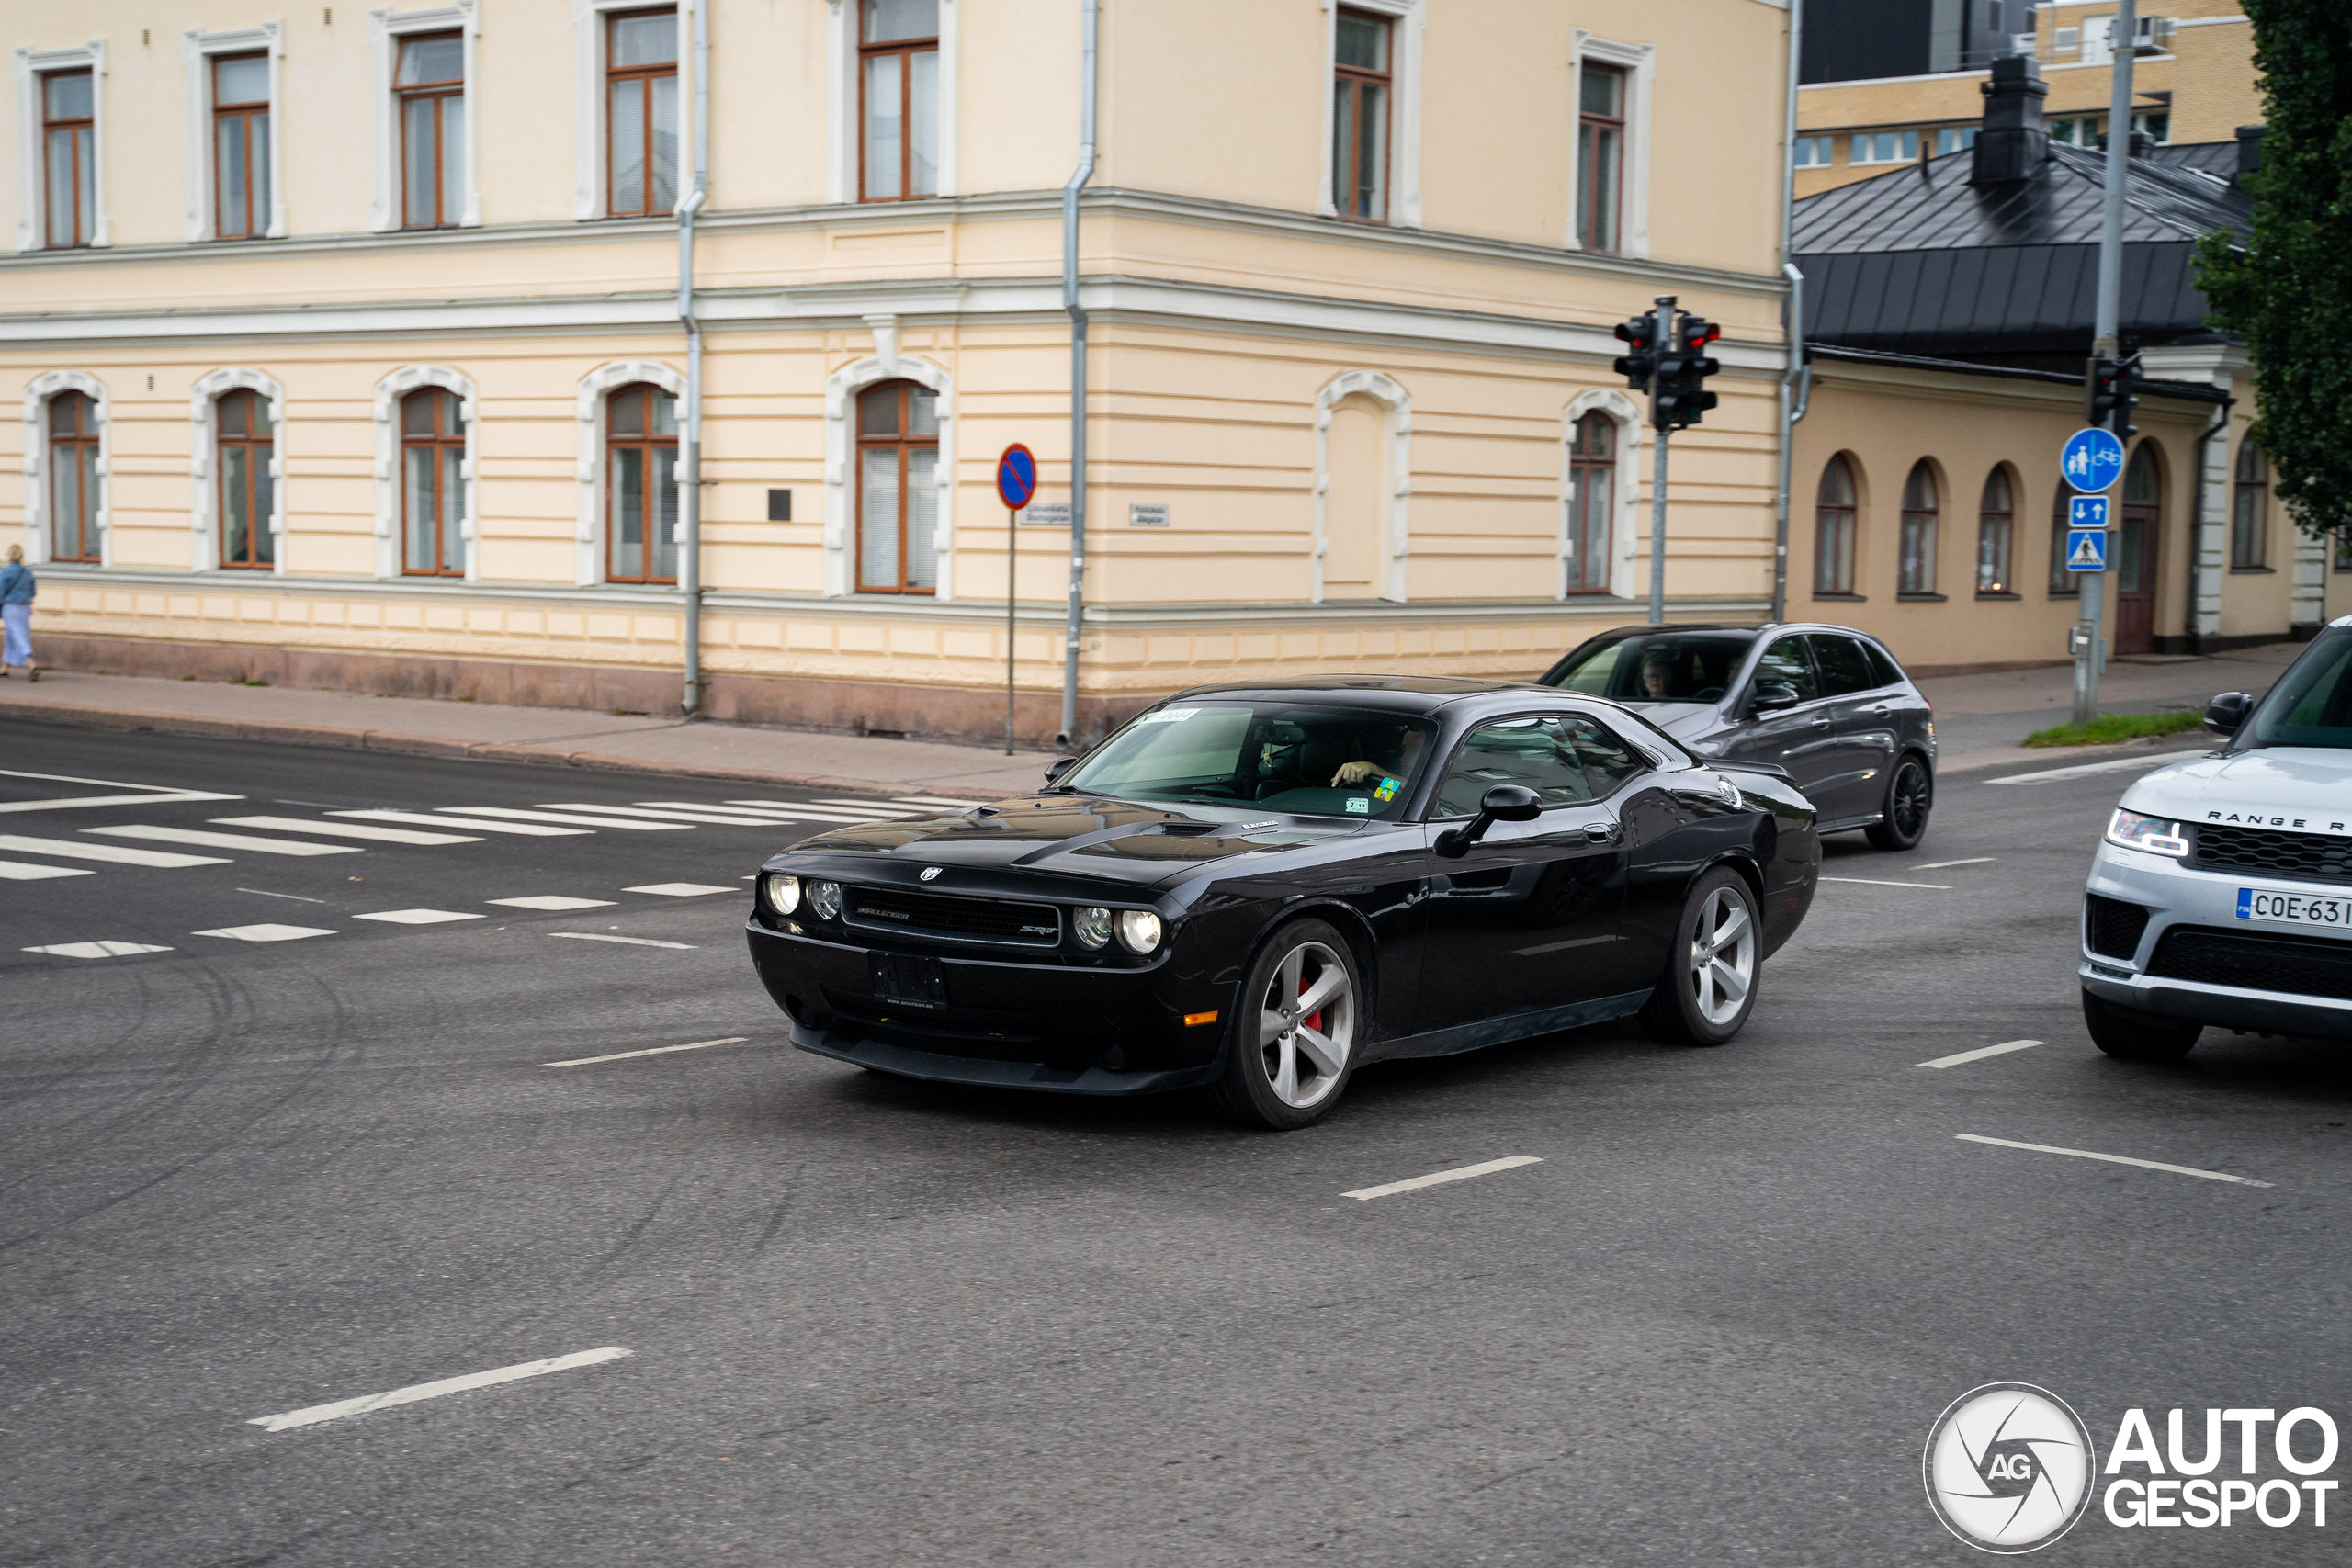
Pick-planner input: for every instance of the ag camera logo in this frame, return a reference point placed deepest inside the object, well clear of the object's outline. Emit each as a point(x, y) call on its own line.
point(2008, 1468)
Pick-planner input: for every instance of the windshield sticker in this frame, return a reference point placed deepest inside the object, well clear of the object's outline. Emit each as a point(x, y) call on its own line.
point(1388, 790)
point(1168, 715)
point(1359, 804)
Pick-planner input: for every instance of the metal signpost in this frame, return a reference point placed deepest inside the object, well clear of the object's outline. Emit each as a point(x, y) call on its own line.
point(2092, 460)
point(1016, 482)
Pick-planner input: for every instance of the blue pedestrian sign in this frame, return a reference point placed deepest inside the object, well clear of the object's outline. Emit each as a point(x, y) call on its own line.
point(2086, 550)
point(2092, 460)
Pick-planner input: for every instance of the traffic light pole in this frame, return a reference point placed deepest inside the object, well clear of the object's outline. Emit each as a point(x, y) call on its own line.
point(1658, 475)
point(2106, 333)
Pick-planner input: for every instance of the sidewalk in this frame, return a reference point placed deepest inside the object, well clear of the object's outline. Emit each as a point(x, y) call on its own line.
point(1981, 719)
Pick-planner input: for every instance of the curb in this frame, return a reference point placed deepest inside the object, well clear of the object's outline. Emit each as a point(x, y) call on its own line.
point(413, 745)
point(2066, 756)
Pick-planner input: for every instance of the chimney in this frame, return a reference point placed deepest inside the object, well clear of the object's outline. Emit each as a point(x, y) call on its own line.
point(2013, 144)
point(2250, 148)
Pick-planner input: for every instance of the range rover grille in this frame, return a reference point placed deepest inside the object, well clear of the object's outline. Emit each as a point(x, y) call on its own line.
point(2298, 966)
point(957, 918)
point(2271, 852)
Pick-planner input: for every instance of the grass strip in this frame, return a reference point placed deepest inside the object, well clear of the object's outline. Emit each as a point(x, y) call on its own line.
point(2108, 729)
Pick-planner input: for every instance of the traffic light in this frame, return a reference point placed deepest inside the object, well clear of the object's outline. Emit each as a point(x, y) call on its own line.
point(2110, 391)
point(1682, 396)
point(1642, 363)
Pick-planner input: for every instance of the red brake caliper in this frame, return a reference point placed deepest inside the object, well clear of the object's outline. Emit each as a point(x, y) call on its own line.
point(1313, 1021)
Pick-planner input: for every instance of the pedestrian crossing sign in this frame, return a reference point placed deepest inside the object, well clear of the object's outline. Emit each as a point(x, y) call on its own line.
point(2086, 550)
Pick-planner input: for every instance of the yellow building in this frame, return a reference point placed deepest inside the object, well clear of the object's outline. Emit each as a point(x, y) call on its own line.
point(2193, 81)
point(350, 349)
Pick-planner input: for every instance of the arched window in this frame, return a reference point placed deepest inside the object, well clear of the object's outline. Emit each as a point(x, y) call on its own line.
point(433, 494)
point(1996, 535)
point(2064, 584)
point(1593, 502)
point(1833, 529)
point(247, 442)
point(73, 477)
point(640, 485)
point(2250, 511)
point(898, 489)
point(1916, 562)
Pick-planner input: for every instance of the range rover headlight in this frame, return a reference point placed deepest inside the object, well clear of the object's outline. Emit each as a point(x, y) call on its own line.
point(2154, 834)
point(1092, 925)
point(784, 892)
point(1138, 930)
point(825, 898)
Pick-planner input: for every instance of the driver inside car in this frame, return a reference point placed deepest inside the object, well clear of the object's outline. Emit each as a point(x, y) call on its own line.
point(1397, 749)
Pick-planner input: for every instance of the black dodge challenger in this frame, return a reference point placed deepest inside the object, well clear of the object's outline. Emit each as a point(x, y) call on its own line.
point(1260, 888)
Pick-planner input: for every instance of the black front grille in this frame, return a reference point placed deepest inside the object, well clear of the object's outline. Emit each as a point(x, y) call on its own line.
point(2271, 852)
point(2298, 966)
point(945, 915)
point(2111, 926)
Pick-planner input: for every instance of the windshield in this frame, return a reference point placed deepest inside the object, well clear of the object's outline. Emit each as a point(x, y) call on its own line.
point(2311, 703)
point(1290, 757)
point(1656, 667)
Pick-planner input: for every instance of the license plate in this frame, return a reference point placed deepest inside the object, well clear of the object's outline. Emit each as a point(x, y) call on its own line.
point(2327, 912)
point(907, 981)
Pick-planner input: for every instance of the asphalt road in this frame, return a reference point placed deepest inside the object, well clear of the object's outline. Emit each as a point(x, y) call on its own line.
point(869, 1322)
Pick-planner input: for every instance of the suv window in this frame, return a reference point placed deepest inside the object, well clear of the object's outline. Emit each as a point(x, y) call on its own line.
point(1564, 759)
point(1844, 667)
point(1784, 663)
point(1890, 674)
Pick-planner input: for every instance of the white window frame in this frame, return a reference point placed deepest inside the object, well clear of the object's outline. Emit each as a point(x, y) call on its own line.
point(32, 208)
point(385, 31)
point(1639, 62)
point(1409, 19)
point(885, 364)
point(37, 393)
point(842, 129)
point(588, 35)
point(1624, 527)
point(595, 387)
point(1825, 146)
point(1855, 144)
point(203, 402)
point(197, 51)
point(389, 391)
point(1395, 544)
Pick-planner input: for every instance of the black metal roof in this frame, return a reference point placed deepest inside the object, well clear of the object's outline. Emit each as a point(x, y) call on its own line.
point(2216, 158)
point(1932, 206)
point(2188, 391)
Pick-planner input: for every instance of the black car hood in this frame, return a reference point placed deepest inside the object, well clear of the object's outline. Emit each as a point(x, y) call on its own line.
point(1081, 835)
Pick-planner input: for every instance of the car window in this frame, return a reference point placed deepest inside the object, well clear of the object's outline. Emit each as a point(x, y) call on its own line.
point(2311, 703)
point(1286, 756)
point(1890, 674)
point(1656, 667)
point(1784, 663)
point(1608, 762)
point(1844, 667)
point(1543, 754)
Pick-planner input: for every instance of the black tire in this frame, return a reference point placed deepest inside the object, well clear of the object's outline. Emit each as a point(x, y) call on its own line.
point(2136, 1037)
point(1690, 1005)
point(1910, 796)
point(1273, 1077)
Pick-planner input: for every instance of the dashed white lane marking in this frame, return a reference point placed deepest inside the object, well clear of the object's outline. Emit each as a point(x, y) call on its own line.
point(266, 893)
point(227, 840)
point(98, 949)
point(417, 917)
point(690, 819)
point(553, 901)
point(1874, 882)
point(1459, 1173)
point(1981, 1052)
point(121, 854)
point(426, 819)
point(2113, 1159)
point(656, 1051)
point(313, 1415)
point(631, 941)
point(678, 889)
point(265, 932)
point(1948, 864)
point(20, 870)
point(2146, 764)
point(346, 830)
point(516, 814)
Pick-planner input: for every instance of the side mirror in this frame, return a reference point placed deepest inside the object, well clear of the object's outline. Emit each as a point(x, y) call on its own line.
point(1504, 803)
point(2225, 713)
point(1773, 696)
point(1057, 767)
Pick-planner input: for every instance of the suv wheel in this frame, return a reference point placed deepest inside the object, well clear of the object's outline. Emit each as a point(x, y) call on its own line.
point(1910, 795)
point(2136, 1037)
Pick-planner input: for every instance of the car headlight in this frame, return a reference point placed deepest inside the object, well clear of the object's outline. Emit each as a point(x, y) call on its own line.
point(2154, 834)
point(1093, 925)
point(825, 898)
point(784, 892)
point(1138, 930)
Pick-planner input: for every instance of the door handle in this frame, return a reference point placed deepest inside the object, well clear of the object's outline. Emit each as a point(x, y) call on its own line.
point(1821, 721)
point(1601, 832)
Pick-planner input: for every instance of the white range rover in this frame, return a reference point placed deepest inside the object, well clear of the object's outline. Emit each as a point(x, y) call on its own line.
point(2223, 891)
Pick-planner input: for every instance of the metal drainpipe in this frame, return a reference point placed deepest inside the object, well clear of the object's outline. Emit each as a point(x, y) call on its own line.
point(2221, 422)
point(690, 465)
point(1084, 171)
point(1792, 410)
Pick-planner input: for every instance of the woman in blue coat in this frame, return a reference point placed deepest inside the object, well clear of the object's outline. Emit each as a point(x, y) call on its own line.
point(16, 587)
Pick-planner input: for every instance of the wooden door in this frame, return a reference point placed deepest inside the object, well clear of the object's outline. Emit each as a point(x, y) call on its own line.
point(2137, 555)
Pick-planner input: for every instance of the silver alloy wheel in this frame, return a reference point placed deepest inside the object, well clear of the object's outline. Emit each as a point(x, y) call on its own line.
point(1306, 1025)
point(1723, 957)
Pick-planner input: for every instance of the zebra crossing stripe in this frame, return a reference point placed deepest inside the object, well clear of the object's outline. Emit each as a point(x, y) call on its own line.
point(516, 814)
point(20, 870)
point(471, 825)
point(345, 830)
point(119, 855)
point(226, 841)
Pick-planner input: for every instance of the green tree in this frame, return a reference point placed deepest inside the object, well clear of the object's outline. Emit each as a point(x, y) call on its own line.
point(2287, 292)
